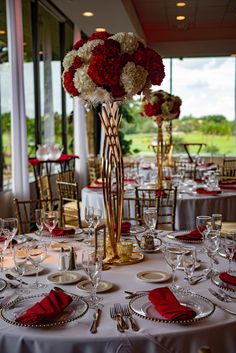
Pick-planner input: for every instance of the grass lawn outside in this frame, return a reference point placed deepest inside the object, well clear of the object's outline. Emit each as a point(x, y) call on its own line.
point(225, 144)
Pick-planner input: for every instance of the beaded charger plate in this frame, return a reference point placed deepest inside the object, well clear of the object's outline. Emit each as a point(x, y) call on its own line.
point(174, 235)
point(219, 283)
point(9, 312)
point(203, 307)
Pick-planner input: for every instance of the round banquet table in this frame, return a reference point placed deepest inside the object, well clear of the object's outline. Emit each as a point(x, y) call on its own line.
point(217, 331)
point(188, 207)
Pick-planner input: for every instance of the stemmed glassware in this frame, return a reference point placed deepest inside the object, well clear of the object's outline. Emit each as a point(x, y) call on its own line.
point(173, 255)
point(216, 221)
point(211, 243)
point(92, 265)
point(37, 252)
point(50, 221)
point(89, 217)
point(203, 223)
point(229, 245)
point(8, 231)
point(20, 257)
point(97, 215)
point(4, 242)
point(150, 218)
point(39, 220)
point(189, 263)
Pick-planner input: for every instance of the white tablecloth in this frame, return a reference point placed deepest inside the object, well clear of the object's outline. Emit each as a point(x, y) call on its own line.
point(217, 331)
point(188, 207)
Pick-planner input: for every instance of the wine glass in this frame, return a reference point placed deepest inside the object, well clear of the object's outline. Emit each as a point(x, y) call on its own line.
point(97, 215)
point(216, 221)
point(211, 243)
point(9, 229)
point(37, 252)
point(150, 218)
point(189, 263)
point(173, 255)
point(229, 246)
point(39, 220)
point(4, 242)
point(203, 223)
point(89, 217)
point(92, 265)
point(50, 221)
point(20, 257)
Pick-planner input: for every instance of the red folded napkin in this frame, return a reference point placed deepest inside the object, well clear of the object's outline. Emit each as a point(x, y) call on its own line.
point(168, 306)
point(57, 231)
point(208, 192)
point(46, 310)
point(193, 235)
point(99, 182)
point(148, 167)
point(199, 180)
point(125, 227)
point(161, 193)
point(228, 181)
point(227, 278)
point(99, 186)
point(130, 180)
point(228, 187)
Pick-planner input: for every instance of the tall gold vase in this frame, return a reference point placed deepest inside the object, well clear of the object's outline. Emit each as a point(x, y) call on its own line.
point(160, 152)
point(112, 164)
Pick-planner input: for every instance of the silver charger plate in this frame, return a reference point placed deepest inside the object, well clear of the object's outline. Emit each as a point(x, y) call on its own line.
point(9, 312)
point(203, 307)
point(217, 281)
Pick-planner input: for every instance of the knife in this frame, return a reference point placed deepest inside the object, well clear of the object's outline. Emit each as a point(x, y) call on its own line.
point(96, 316)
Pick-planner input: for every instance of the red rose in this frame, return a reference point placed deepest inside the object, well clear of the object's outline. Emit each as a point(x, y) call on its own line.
point(155, 67)
point(99, 35)
point(78, 44)
point(76, 63)
point(108, 48)
point(69, 83)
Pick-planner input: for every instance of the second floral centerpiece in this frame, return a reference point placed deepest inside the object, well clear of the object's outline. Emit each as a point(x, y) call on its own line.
point(106, 69)
point(162, 107)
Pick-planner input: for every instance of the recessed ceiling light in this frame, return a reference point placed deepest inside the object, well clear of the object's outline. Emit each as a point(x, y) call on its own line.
point(88, 14)
point(100, 29)
point(2, 31)
point(181, 4)
point(180, 18)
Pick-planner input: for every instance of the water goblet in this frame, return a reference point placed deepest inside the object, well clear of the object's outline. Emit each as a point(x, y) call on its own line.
point(211, 243)
point(97, 215)
point(50, 221)
point(189, 263)
point(150, 218)
point(216, 221)
point(20, 257)
point(92, 265)
point(229, 245)
point(4, 242)
point(173, 255)
point(37, 252)
point(89, 217)
point(203, 223)
point(39, 220)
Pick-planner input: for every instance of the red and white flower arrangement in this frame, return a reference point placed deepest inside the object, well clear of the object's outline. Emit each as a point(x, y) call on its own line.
point(162, 105)
point(107, 67)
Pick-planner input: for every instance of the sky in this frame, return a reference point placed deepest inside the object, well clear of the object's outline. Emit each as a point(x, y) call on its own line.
point(205, 85)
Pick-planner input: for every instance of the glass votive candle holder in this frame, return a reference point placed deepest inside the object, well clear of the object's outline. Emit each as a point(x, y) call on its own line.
point(125, 249)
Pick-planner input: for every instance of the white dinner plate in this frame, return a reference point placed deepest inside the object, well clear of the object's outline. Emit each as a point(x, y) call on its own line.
point(64, 277)
point(103, 286)
point(154, 276)
point(29, 270)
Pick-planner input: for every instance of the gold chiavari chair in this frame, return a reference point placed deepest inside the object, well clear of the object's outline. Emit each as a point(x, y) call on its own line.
point(94, 168)
point(67, 176)
point(165, 202)
point(25, 213)
point(229, 168)
point(45, 190)
point(69, 204)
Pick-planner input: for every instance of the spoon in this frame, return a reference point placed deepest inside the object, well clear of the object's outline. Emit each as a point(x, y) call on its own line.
point(11, 277)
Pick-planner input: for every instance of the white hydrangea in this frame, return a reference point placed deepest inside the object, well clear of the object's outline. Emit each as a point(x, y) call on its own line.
point(128, 42)
point(133, 78)
point(69, 59)
point(85, 52)
point(97, 96)
point(82, 81)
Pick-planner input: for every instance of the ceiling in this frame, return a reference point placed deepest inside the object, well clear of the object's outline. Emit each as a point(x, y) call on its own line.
point(209, 28)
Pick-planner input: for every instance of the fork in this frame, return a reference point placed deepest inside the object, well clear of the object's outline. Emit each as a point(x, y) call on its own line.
point(226, 295)
point(119, 313)
point(115, 317)
point(127, 313)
